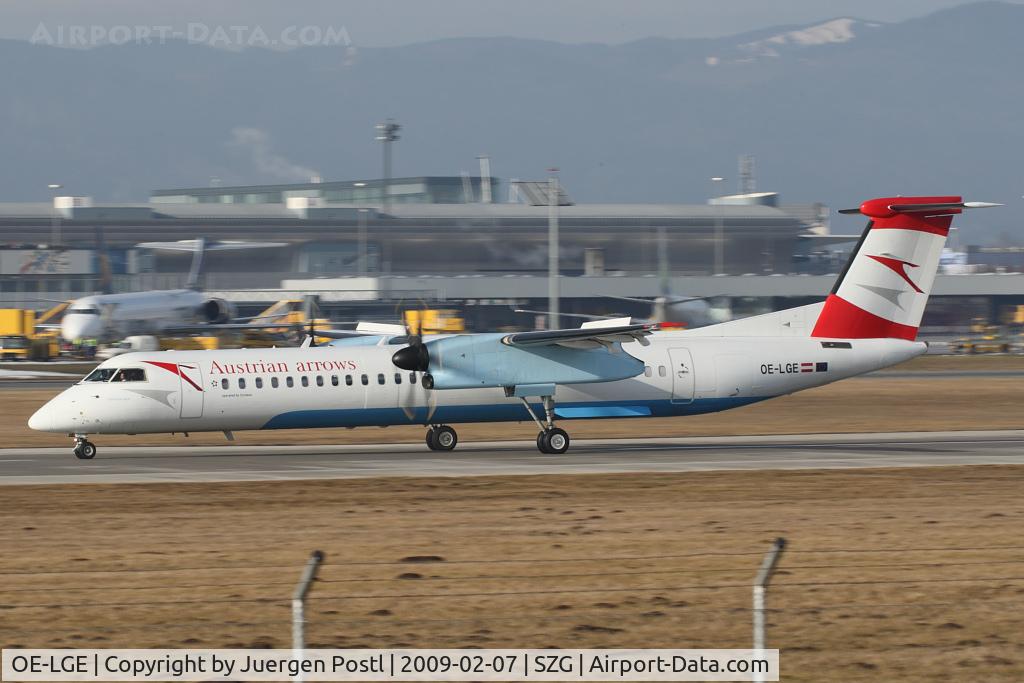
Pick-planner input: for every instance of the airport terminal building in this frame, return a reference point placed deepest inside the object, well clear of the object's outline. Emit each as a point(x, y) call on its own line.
point(342, 241)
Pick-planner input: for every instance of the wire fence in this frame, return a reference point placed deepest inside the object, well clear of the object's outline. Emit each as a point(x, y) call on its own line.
point(924, 567)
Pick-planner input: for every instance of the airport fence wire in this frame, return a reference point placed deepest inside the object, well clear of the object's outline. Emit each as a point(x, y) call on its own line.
point(456, 598)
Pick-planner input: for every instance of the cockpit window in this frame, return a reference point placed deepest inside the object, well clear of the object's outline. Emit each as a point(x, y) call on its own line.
point(84, 310)
point(100, 375)
point(130, 375)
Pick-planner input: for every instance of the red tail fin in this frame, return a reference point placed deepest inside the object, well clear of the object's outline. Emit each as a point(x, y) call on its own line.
point(883, 290)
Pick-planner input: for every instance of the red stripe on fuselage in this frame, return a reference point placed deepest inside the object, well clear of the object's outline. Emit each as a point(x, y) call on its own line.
point(173, 367)
point(840, 319)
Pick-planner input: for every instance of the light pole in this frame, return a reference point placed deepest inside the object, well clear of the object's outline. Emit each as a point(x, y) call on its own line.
point(553, 293)
point(387, 133)
point(55, 236)
point(363, 251)
point(719, 229)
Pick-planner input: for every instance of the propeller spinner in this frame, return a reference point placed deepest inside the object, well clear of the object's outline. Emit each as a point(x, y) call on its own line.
point(415, 357)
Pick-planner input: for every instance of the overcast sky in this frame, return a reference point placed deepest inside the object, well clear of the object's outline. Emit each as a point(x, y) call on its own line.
point(397, 22)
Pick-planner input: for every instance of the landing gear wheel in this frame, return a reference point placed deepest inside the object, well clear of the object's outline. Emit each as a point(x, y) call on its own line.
point(442, 438)
point(553, 441)
point(85, 450)
point(445, 438)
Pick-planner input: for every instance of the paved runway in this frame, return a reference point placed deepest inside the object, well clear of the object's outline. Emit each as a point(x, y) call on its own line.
point(263, 463)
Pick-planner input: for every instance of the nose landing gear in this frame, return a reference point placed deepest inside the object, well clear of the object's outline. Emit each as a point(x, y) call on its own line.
point(441, 438)
point(84, 449)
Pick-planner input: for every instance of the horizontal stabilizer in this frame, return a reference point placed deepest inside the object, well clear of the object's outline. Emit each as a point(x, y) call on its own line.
point(879, 209)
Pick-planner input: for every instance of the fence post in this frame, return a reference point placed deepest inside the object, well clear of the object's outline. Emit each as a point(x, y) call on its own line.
point(764, 576)
point(299, 605)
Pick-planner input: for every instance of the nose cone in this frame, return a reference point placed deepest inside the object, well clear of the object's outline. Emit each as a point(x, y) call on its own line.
point(43, 419)
point(57, 415)
point(74, 327)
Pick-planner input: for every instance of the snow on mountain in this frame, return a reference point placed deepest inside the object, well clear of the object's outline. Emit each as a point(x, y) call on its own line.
point(841, 30)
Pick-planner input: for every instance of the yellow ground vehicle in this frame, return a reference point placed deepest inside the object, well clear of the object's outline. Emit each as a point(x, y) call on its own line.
point(434, 320)
point(18, 338)
point(295, 317)
point(985, 338)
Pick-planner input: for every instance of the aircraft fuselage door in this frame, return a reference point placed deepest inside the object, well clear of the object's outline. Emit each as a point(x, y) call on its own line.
point(192, 393)
point(681, 364)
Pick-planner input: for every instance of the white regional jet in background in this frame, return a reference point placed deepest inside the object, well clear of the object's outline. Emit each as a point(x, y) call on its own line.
point(112, 317)
point(602, 370)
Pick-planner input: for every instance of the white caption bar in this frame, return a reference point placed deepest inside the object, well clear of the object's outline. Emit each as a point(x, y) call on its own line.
point(390, 665)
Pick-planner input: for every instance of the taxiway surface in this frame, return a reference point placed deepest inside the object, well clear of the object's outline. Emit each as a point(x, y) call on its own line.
point(147, 464)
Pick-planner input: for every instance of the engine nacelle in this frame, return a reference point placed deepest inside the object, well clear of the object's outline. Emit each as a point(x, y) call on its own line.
point(216, 311)
point(482, 360)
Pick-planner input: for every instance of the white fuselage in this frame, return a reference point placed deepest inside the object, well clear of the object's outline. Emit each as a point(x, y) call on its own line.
point(350, 386)
point(109, 317)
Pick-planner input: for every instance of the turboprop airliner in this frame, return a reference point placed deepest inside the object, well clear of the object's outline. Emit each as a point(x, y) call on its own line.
point(605, 369)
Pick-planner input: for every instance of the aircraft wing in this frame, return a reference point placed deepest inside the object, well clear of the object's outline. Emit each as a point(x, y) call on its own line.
point(227, 327)
point(195, 245)
point(671, 300)
point(581, 338)
point(242, 327)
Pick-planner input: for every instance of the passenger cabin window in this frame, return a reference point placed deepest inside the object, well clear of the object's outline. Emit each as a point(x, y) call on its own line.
point(259, 382)
point(348, 380)
point(398, 378)
point(305, 381)
point(412, 378)
point(662, 371)
point(319, 380)
point(100, 375)
point(334, 380)
point(290, 382)
point(647, 371)
point(380, 378)
point(366, 380)
point(273, 382)
point(224, 383)
point(241, 383)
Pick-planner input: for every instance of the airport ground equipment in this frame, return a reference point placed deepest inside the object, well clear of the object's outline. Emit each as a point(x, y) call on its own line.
point(984, 338)
point(435, 320)
point(19, 339)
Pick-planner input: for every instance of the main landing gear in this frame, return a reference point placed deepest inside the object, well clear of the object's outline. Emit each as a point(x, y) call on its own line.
point(84, 449)
point(551, 440)
point(441, 438)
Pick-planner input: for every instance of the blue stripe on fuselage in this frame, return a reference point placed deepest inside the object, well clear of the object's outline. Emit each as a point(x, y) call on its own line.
point(498, 412)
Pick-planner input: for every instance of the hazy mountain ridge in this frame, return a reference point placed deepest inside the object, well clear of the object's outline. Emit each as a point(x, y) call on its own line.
point(926, 105)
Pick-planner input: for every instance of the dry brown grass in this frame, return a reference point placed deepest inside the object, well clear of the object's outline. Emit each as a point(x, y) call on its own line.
point(856, 405)
point(534, 561)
